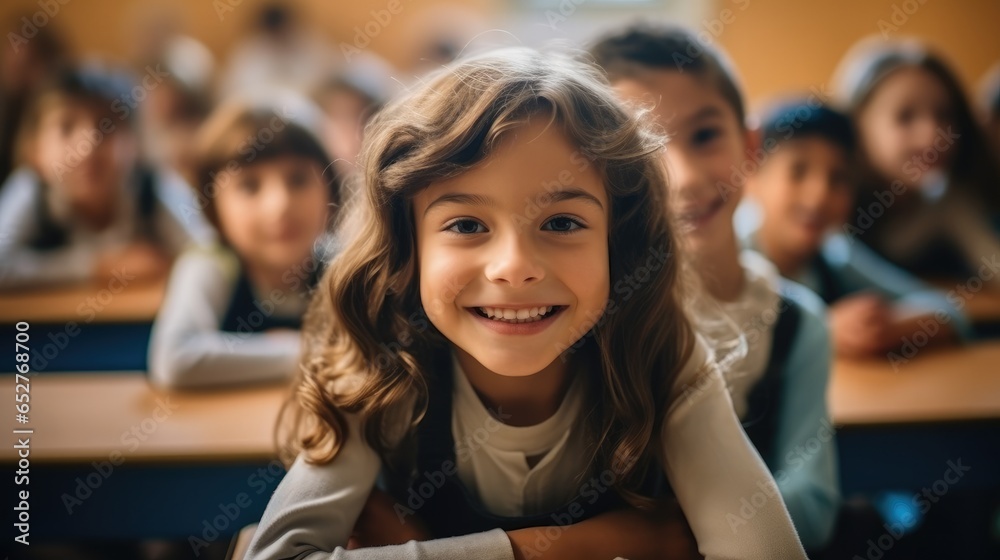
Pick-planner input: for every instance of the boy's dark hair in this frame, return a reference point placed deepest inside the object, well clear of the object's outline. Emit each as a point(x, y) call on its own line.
point(800, 118)
point(106, 90)
point(234, 136)
point(641, 47)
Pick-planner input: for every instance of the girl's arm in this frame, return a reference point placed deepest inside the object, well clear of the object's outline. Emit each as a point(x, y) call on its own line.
point(312, 513)
point(627, 533)
point(920, 306)
point(804, 461)
point(188, 350)
point(729, 497)
point(22, 266)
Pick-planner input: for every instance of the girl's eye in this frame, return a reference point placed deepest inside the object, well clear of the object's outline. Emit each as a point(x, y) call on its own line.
point(562, 224)
point(799, 169)
point(906, 116)
point(297, 179)
point(466, 226)
point(249, 186)
point(705, 135)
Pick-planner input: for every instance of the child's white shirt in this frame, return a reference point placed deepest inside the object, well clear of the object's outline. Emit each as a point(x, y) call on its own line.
point(711, 466)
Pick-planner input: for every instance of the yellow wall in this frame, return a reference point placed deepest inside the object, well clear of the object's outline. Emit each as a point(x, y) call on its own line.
point(107, 27)
point(780, 45)
point(777, 44)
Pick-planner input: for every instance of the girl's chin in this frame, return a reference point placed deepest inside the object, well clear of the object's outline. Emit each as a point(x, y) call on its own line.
point(513, 365)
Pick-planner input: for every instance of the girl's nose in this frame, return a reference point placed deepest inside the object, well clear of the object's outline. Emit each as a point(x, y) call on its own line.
point(513, 261)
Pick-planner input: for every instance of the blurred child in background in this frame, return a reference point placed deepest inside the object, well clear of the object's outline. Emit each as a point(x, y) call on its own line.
point(232, 312)
point(990, 104)
point(929, 181)
point(349, 99)
point(779, 387)
point(173, 112)
point(25, 65)
point(805, 190)
point(84, 207)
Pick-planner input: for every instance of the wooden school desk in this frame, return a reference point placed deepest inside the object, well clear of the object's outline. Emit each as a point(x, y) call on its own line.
point(113, 457)
point(86, 327)
point(91, 302)
point(980, 307)
point(898, 429)
point(935, 385)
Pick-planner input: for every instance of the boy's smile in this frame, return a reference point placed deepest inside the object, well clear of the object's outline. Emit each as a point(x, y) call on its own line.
point(703, 156)
point(508, 285)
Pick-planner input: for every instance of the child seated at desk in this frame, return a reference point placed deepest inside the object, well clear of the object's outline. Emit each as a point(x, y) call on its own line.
point(779, 387)
point(804, 190)
point(928, 184)
point(232, 312)
point(84, 207)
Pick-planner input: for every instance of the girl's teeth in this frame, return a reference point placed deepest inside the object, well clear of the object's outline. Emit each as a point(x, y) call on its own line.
point(516, 315)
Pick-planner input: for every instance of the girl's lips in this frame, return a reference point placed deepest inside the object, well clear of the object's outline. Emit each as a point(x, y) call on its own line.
point(528, 328)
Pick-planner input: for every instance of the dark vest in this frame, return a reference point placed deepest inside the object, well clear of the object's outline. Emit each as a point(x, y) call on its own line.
point(764, 400)
point(243, 315)
point(438, 497)
point(51, 235)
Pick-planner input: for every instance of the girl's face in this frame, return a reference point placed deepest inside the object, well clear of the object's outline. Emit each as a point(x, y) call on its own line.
point(82, 153)
point(906, 126)
point(273, 211)
point(704, 155)
point(513, 254)
point(804, 191)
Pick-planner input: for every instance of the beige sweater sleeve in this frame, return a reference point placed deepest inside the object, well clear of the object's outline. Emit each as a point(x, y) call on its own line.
point(727, 493)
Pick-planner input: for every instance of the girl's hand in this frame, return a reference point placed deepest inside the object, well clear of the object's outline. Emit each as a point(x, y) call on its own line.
point(662, 534)
point(379, 525)
point(861, 326)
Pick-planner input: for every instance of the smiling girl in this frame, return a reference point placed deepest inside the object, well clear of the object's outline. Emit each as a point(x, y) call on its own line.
point(511, 204)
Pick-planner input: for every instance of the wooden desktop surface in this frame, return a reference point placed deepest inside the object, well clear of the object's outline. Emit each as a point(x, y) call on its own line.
point(85, 417)
point(936, 385)
point(91, 302)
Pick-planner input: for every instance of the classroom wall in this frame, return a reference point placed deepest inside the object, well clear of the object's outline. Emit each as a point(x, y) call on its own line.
point(776, 44)
point(780, 45)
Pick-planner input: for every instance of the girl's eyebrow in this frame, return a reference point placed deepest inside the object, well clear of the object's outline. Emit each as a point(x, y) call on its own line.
point(704, 113)
point(461, 198)
point(571, 193)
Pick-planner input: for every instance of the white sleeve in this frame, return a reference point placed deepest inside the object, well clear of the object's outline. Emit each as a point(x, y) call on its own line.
point(186, 347)
point(22, 266)
point(726, 492)
point(314, 509)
